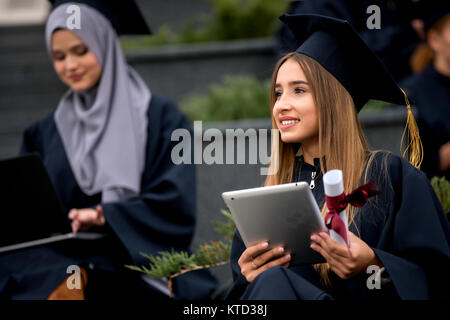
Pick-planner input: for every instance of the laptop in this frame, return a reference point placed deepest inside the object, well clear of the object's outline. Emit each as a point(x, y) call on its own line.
point(285, 214)
point(31, 212)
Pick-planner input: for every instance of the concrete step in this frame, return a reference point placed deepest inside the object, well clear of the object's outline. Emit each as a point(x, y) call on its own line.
point(9, 145)
point(22, 38)
point(19, 112)
point(21, 84)
point(25, 61)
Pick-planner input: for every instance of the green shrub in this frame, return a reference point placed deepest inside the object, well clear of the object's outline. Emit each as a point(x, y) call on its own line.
point(240, 19)
point(229, 20)
point(375, 105)
point(239, 97)
point(442, 188)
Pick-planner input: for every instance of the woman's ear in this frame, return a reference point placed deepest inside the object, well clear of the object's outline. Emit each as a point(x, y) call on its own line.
point(434, 40)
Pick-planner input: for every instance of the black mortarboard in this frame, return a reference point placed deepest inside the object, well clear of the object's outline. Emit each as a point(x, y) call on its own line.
point(432, 11)
point(125, 16)
point(337, 47)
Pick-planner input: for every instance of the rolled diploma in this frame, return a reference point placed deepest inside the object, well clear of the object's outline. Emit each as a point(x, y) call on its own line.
point(333, 186)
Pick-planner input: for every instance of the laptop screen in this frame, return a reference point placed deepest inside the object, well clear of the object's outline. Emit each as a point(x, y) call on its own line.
point(29, 205)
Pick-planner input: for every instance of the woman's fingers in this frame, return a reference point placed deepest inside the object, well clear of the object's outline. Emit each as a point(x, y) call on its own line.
point(75, 226)
point(101, 218)
point(344, 261)
point(330, 246)
point(317, 247)
point(281, 261)
point(263, 258)
point(252, 251)
point(73, 214)
point(83, 219)
point(255, 259)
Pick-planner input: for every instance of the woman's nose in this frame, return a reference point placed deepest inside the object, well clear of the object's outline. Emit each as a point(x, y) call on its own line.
point(282, 106)
point(71, 62)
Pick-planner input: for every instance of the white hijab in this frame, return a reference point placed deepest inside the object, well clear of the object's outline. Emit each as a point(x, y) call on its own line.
point(104, 129)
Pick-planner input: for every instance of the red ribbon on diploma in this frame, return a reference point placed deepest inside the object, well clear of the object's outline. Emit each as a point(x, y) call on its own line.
point(356, 198)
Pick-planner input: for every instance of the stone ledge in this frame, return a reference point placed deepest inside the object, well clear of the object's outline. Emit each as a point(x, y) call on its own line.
point(202, 50)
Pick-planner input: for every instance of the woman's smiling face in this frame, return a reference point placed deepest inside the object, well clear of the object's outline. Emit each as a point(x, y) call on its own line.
point(294, 110)
point(74, 63)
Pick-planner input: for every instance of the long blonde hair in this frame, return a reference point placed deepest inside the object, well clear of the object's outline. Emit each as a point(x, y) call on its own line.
point(341, 139)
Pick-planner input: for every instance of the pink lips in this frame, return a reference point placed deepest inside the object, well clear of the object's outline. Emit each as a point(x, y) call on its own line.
point(76, 77)
point(286, 126)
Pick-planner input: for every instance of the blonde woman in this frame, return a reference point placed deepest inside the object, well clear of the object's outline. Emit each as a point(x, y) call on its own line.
point(402, 233)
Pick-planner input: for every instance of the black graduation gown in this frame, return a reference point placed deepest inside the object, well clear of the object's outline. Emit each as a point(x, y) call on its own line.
point(162, 217)
point(430, 94)
point(404, 225)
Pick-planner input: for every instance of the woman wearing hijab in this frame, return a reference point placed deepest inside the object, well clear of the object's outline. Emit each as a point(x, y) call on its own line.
point(401, 233)
point(107, 149)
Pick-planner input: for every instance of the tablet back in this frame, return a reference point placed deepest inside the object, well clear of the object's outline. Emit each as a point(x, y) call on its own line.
point(29, 206)
point(285, 214)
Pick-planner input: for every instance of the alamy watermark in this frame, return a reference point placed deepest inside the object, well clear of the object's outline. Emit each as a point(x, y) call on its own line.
point(374, 280)
point(228, 147)
point(374, 20)
point(73, 21)
point(74, 280)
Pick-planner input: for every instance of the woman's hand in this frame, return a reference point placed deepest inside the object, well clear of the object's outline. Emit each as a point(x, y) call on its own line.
point(255, 260)
point(83, 219)
point(345, 262)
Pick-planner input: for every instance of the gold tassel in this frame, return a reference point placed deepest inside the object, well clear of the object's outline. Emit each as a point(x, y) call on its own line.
point(414, 147)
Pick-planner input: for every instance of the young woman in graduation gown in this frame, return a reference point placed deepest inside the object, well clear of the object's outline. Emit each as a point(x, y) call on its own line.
point(402, 232)
point(107, 149)
point(429, 89)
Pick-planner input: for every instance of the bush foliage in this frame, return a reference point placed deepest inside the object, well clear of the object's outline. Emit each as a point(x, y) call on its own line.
point(237, 97)
point(442, 188)
point(229, 20)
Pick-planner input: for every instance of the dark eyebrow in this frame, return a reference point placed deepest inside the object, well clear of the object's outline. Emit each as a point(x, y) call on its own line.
point(75, 47)
point(293, 83)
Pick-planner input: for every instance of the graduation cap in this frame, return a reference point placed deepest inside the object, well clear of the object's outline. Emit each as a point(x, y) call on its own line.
point(433, 11)
point(338, 48)
point(125, 16)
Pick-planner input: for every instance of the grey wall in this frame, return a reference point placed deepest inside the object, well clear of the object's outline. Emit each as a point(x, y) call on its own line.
point(174, 13)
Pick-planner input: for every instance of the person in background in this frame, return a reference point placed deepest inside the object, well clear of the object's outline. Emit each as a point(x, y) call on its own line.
point(107, 149)
point(429, 88)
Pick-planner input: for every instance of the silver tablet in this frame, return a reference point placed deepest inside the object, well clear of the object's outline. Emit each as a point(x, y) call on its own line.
point(285, 214)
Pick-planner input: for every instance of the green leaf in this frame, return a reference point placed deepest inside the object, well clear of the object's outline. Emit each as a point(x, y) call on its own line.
point(167, 264)
point(442, 188)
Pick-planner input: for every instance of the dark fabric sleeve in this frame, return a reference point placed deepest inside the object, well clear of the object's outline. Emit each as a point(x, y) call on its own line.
point(162, 217)
point(30, 140)
point(239, 281)
point(415, 244)
point(431, 142)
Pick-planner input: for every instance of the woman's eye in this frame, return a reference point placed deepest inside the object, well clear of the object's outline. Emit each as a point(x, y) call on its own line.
point(81, 51)
point(299, 90)
point(59, 57)
point(277, 94)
